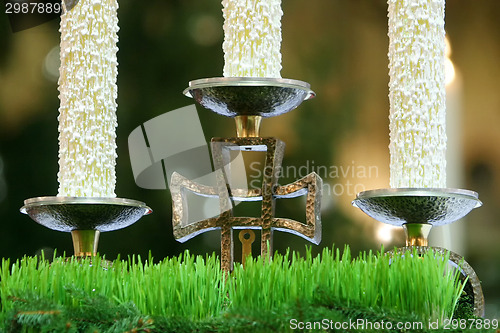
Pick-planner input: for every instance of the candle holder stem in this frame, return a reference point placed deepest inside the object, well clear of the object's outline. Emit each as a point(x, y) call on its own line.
point(85, 242)
point(247, 126)
point(417, 233)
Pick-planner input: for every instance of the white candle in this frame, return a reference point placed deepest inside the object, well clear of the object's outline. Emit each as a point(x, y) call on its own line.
point(417, 93)
point(252, 38)
point(87, 86)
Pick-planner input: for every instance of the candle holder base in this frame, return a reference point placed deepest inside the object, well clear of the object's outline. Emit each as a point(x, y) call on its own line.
point(84, 217)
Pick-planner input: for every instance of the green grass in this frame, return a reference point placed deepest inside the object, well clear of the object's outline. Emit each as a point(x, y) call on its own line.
point(189, 293)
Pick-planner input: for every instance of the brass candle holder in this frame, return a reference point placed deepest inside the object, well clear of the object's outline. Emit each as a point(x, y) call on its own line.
point(248, 101)
point(417, 210)
point(85, 218)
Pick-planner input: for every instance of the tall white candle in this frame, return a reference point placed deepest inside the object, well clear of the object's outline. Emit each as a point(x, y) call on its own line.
point(87, 86)
point(417, 93)
point(252, 38)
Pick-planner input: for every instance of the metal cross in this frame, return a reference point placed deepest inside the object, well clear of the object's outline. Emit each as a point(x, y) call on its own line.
point(310, 185)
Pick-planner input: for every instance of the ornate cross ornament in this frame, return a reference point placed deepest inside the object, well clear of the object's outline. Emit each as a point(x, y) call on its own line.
point(310, 185)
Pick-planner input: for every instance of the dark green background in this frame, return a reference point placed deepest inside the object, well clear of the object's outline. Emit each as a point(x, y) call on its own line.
point(338, 46)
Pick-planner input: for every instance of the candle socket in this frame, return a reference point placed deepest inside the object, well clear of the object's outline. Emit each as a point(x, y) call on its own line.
point(247, 126)
point(417, 233)
point(85, 242)
point(249, 99)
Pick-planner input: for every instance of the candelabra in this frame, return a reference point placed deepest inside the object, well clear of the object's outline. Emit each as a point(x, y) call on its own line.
point(248, 100)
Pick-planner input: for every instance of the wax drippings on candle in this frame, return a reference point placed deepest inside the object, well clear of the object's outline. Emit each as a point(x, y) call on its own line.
point(417, 93)
point(87, 86)
point(252, 38)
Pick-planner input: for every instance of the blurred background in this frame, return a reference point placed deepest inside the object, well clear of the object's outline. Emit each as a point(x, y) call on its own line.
point(338, 46)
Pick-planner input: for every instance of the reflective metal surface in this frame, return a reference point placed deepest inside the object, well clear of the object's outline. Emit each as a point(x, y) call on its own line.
point(417, 233)
point(247, 126)
point(72, 213)
point(240, 96)
point(417, 205)
point(85, 242)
